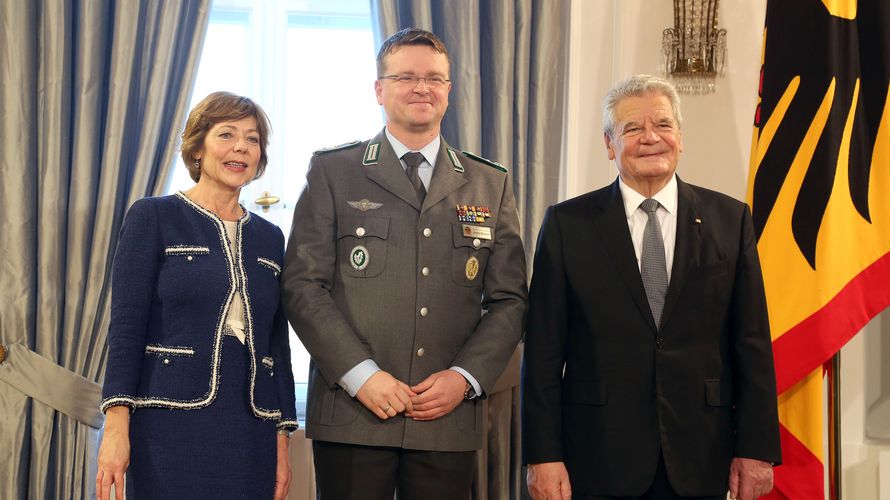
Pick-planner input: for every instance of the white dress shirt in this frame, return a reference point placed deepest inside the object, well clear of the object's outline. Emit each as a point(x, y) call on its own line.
point(666, 213)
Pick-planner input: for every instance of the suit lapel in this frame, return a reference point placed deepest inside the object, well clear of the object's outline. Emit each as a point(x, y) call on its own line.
point(445, 180)
point(389, 174)
point(687, 247)
point(610, 220)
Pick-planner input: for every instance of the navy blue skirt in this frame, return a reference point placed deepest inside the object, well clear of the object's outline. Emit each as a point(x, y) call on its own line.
point(219, 452)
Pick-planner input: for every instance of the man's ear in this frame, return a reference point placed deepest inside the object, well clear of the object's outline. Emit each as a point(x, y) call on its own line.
point(378, 91)
point(608, 141)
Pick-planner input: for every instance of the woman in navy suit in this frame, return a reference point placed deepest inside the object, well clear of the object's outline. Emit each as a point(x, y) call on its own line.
point(199, 377)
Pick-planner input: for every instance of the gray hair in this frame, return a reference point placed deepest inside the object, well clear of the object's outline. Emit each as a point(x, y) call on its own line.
point(636, 86)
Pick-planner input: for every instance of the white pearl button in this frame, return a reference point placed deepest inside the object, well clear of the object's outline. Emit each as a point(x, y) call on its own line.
point(427, 232)
point(476, 243)
point(421, 352)
point(425, 271)
point(189, 258)
point(360, 231)
point(424, 311)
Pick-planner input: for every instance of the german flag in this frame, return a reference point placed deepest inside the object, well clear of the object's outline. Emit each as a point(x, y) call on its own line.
point(819, 189)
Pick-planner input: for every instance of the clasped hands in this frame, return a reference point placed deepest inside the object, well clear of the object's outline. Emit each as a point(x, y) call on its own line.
point(434, 397)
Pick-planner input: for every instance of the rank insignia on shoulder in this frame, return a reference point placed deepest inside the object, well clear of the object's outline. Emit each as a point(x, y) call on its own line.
point(472, 213)
point(490, 163)
point(338, 147)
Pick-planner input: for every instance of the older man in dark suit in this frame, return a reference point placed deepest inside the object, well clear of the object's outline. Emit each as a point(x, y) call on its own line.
point(405, 280)
point(648, 368)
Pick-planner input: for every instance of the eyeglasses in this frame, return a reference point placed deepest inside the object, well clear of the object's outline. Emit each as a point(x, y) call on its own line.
point(432, 82)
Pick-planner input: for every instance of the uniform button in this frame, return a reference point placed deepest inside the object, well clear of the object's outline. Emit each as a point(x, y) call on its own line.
point(424, 311)
point(189, 258)
point(166, 361)
point(476, 243)
point(427, 232)
point(359, 231)
point(659, 342)
point(425, 271)
point(420, 352)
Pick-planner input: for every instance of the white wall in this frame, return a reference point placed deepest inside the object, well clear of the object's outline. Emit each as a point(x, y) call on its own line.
point(613, 39)
point(865, 412)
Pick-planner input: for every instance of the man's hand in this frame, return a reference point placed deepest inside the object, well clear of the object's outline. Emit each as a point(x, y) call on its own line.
point(437, 395)
point(548, 481)
point(749, 479)
point(282, 469)
point(114, 453)
point(385, 395)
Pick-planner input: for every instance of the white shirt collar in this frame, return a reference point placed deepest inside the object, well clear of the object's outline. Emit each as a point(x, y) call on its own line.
point(429, 152)
point(632, 199)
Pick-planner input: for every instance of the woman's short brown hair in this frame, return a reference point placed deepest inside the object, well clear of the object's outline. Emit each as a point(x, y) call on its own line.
point(221, 107)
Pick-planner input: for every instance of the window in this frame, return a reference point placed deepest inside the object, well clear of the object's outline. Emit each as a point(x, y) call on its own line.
point(310, 65)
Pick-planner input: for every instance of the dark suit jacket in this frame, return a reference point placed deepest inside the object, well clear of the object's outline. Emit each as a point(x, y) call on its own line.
point(410, 322)
point(701, 389)
point(172, 283)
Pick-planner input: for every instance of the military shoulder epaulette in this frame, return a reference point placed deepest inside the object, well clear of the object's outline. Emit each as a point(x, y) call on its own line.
point(338, 147)
point(490, 163)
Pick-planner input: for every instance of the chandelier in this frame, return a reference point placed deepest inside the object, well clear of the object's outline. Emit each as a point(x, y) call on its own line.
point(694, 50)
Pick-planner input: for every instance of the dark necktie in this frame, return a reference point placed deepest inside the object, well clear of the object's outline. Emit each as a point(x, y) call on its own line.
point(652, 261)
point(412, 162)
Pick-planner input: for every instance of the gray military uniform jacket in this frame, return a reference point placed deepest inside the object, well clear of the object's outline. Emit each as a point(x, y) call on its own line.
point(370, 273)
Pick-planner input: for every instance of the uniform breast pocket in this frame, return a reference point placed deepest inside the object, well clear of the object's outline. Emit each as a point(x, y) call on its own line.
point(472, 248)
point(361, 245)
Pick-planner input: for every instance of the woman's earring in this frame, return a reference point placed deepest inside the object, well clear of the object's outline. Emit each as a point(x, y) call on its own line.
point(197, 163)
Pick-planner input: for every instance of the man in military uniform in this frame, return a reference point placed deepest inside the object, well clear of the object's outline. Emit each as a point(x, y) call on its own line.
point(405, 280)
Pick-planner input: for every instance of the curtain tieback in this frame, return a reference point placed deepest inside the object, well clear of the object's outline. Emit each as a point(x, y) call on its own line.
point(56, 386)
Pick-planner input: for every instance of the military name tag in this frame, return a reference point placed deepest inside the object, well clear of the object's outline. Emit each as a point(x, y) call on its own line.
point(481, 232)
point(359, 258)
point(472, 268)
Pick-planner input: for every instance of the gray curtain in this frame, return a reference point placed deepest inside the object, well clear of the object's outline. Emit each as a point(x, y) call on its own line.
point(509, 67)
point(94, 95)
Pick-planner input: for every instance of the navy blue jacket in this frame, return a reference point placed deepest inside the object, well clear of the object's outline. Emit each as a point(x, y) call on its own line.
point(173, 280)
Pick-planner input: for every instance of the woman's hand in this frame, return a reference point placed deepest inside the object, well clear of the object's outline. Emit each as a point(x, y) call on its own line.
point(282, 470)
point(114, 453)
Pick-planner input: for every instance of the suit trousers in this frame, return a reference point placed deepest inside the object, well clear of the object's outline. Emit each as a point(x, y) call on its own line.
point(356, 472)
point(660, 490)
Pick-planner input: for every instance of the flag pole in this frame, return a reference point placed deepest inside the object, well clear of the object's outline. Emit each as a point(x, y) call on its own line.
point(834, 427)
